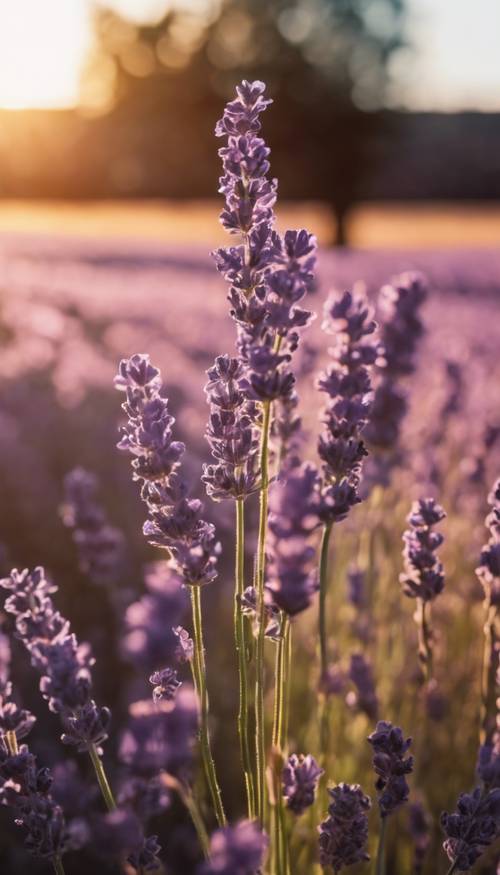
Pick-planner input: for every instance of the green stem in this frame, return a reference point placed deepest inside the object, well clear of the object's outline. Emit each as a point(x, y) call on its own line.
point(194, 812)
point(380, 863)
point(199, 673)
point(425, 639)
point(260, 738)
point(452, 868)
point(286, 704)
point(279, 697)
point(323, 586)
point(278, 739)
point(488, 675)
point(58, 865)
point(240, 637)
point(107, 793)
point(11, 742)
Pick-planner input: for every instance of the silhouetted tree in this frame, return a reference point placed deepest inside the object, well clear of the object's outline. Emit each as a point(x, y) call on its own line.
point(325, 62)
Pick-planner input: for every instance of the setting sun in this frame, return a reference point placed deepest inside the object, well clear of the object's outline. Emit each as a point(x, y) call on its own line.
point(42, 47)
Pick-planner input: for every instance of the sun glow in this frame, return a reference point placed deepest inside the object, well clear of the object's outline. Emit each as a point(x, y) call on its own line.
point(42, 47)
point(453, 64)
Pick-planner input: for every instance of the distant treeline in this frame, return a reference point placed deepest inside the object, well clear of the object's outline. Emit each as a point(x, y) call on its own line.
point(62, 154)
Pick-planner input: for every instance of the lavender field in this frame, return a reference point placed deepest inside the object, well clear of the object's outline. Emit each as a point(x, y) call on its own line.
point(400, 641)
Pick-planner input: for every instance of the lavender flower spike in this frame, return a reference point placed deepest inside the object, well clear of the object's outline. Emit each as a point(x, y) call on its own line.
point(344, 834)
point(423, 578)
point(26, 789)
point(64, 666)
point(347, 384)
point(63, 663)
point(236, 850)
point(175, 521)
point(100, 546)
point(472, 828)
point(300, 781)
point(292, 581)
point(488, 573)
point(391, 765)
point(400, 331)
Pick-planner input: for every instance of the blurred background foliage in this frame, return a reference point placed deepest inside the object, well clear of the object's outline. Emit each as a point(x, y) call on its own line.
point(325, 63)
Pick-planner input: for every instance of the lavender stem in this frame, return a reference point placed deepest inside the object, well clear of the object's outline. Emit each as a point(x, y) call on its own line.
point(425, 638)
point(488, 680)
point(102, 780)
point(280, 683)
point(380, 862)
point(323, 585)
point(240, 636)
point(278, 744)
point(260, 739)
point(288, 661)
point(194, 812)
point(58, 866)
point(199, 673)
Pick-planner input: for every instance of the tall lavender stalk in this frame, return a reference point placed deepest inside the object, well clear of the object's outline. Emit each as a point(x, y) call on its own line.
point(233, 440)
point(391, 765)
point(346, 382)
point(64, 666)
point(268, 276)
point(423, 578)
point(488, 573)
point(400, 331)
point(292, 583)
point(25, 788)
point(174, 520)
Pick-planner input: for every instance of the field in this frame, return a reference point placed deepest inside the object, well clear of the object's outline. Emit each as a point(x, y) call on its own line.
point(71, 308)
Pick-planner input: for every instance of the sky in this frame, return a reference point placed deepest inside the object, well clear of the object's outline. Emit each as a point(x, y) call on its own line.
point(454, 63)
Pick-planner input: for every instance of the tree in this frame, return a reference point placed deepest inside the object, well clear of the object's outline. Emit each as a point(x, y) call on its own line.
point(326, 63)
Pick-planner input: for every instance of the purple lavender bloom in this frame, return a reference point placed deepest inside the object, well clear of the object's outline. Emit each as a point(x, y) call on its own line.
point(423, 577)
point(356, 587)
point(149, 637)
point(236, 850)
point(292, 581)
point(400, 331)
point(231, 434)
point(472, 828)
point(344, 834)
point(249, 196)
point(347, 385)
point(488, 570)
point(391, 766)
point(165, 683)
point(419, 827)
point(300, 781)
point(365, 696)
point(74, 794)
point(63, 663)
point(174, 520)
point(184, 650)
point(488, 761)
point(161, 736)
point(268, 274)
point(26, 789)
point(248, 602)
point(147, 798)
point(100, 546)
point(12, 717)
point(119, 835)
